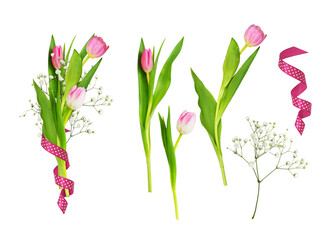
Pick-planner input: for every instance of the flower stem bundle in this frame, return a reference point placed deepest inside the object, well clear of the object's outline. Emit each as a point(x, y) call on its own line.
point(149, 95)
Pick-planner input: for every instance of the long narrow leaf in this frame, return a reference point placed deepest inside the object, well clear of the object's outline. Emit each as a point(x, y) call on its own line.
point(49, 128)
point(53, 82)
point(74, 72)
point(207, 106)
point(83, 52)
point(164, 78)
point(143, 88)
point(69, 50)
point(168, 147)
point(231, 62)
point(87, 78)
point(231, 89)
point(153, 72)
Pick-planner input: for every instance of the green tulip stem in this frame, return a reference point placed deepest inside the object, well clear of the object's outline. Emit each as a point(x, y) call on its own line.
point(85, 60)
point(179, 137)
point(147, 74)
point(243, 49)
point(175, 201)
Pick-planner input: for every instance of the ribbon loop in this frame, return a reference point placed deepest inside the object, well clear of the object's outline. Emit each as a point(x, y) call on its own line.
point(65, 183)
point(303, 105)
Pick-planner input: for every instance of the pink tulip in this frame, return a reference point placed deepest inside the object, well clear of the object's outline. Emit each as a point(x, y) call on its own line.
point(76, 97)
point(185, 123)
point(96, 47)
point(147, 60)
point(254, 36)
point(56, 57)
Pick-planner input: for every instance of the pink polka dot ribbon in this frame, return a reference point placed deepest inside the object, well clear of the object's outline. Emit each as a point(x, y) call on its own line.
point(65, 183)
point(303, 105)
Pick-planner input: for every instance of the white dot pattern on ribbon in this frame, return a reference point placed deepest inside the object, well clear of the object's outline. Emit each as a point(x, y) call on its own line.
point(65, 183)
point(303, 105)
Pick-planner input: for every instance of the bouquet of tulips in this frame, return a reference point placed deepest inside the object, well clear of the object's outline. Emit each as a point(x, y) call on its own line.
point(211, 109)
point(59, 96)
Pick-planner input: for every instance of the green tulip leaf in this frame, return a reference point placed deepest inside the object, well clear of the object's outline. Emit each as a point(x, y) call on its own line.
point(231, 89)
point(164, 78)
point(46, 113)
point(83, 52)
point(207, 105)
point(143, 88)
point(87, 78)
point(153, 72)
point(231, 62)
point(74, 72)
point(168, 147)
point(53, 82)
point(69, 50)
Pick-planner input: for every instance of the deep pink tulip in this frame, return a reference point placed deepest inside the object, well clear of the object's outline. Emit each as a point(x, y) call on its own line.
point(185, 123)
point(96, 47)
point(147, 61)
point(57, 56)
point(254, 36)
point(75, 97)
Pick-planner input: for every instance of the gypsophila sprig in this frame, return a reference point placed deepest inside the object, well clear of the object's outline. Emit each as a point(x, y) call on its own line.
point(78, 125)
point(265, 141)
point(97, 99)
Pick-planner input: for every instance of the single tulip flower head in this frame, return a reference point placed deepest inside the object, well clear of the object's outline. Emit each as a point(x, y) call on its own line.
point(56, 57)
point(254, 36)
point(96, 47)
point(185, 123)
point(147, 60)
point(76, 97)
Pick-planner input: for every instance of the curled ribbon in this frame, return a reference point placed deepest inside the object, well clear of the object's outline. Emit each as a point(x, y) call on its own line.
point(303, 105)
point(65, 183)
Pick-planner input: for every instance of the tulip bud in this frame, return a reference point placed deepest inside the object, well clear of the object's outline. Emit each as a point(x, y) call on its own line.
point(186, 122)
point(76, 97)
point(147, 60)
point(254, 36)
point(96, 47)
point(57, 57)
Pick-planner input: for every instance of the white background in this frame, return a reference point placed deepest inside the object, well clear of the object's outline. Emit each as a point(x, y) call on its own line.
point(111, 199)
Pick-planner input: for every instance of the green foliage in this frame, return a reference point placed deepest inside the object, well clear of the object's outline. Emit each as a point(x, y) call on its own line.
point(143, 88)
point(168, 147)
point(164, 78)
point(231, 62)
point(207, 105)
point(74, 72)
point(69, 50)
point(87, 78)
point(83, 52)
point(49, 127)
point(231, 89)
point(53, 83)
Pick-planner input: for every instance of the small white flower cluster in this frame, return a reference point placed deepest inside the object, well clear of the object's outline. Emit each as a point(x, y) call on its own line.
point(98, 100)
point(78, 125)
point(265, 141)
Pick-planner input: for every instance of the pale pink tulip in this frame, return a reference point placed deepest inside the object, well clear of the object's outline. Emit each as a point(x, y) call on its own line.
point(147, 60)
point(254, 36)
point(56, 57)
point(185, 123)
point(76, 97)
point(96, 47)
